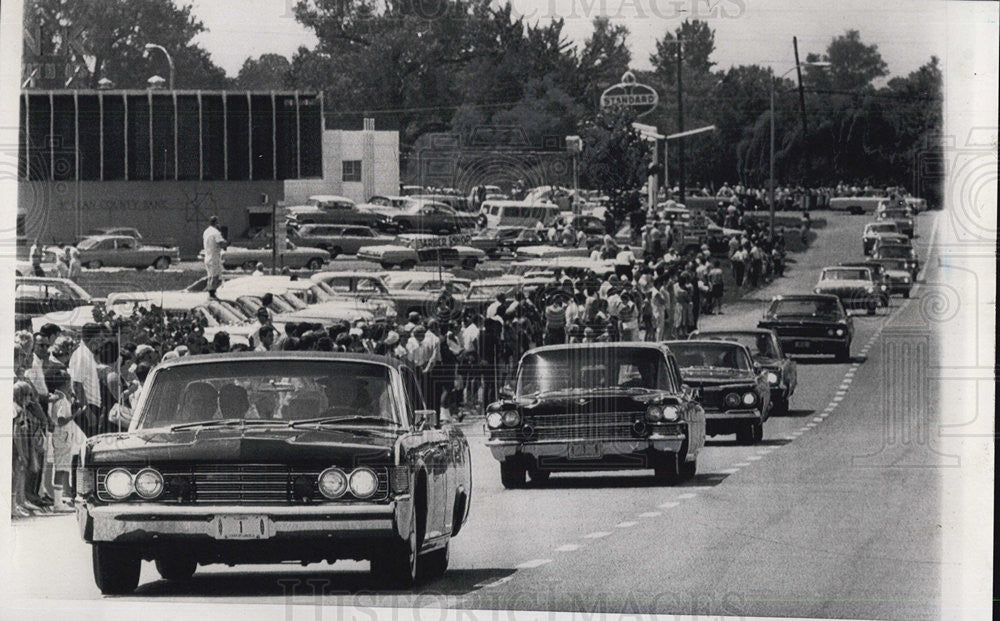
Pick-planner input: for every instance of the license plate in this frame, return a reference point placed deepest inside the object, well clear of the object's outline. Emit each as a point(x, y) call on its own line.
point(584, 450)
point(241, 527)
point(803, 344)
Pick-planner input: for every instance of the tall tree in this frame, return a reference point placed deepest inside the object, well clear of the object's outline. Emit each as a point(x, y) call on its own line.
point(615, 159)
point(854, 66)
point(604, 58)
point(269, 72)
point(698, 40)
point(108, 37)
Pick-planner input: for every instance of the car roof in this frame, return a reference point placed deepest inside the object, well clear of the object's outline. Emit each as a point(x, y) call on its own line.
point(344, 274)
point(617, 345)
point(284, 355)
point(330, 197)
point(805, 296)
point(734, 331)
point(712, 342)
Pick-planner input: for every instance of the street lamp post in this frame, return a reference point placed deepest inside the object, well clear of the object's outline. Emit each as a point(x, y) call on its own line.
point(770, 191)
point(170, 60)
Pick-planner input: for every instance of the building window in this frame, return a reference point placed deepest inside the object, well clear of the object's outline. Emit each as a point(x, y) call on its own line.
point(352, 170)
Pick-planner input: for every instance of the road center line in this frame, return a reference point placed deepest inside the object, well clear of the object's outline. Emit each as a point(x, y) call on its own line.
point(538, 562)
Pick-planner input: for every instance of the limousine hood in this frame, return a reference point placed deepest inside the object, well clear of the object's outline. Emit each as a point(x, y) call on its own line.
point(251, 445)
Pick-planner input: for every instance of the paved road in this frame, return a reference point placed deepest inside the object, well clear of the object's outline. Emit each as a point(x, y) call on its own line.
point(835, 514)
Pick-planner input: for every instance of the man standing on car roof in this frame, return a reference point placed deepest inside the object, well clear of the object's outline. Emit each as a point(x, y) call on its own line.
point(213, 244)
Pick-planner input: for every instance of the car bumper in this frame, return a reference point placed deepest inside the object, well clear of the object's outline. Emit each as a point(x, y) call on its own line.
point(722, 422)
point(812, 345)
point(900, 287)
point(148, 523)
point(662, 443)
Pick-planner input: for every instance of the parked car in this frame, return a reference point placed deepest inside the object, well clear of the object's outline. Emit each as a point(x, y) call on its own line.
point(879, 278)
point(873, 230)
point(300, 300)
point(113, 230)
point(125, 251)
point(411, 250)
point(295, 257)
point(432, 217)
point(34, 296)
point(780, 371)
point(591, 225)
point(323, 209)
point(23, 265)
point(905, 252)
point(596, 407)
point(335, 238)
point(729, 385)
point(213, 315)
point(810, 324)
point(344, 461)
point(551, 252)
point(421, 290)
point(898, 274)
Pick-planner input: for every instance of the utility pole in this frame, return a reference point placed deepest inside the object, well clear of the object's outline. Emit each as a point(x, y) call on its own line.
point(802, 93)
point(680, 119)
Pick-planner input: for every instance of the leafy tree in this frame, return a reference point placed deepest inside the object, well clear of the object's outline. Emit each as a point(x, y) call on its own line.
point(698, 42)
point(615, 159)
point(108, 37)
point(854, 66)
point(269, 72)
point(604, 58)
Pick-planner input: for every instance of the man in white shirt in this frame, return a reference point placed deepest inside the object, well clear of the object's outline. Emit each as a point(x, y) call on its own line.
point(470, 334)
point(35, 373)
point(213, 243)
point(83, 374)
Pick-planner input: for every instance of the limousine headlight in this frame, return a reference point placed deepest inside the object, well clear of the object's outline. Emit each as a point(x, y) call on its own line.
point(731, 400)
point(363, 483)
point(772, 377)
point(494, 420)
point(511, 418)
point(332, 483)
point(840, 332)
point(670, 413)
point(148, 484)
point(654, 413)
point(749, 398)
point(119, 483)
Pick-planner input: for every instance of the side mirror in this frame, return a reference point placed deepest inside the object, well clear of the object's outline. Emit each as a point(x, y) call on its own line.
point(428, 418)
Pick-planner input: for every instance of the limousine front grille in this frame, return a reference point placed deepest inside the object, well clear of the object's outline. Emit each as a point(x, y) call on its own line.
point(236, 484)
point(585, 426)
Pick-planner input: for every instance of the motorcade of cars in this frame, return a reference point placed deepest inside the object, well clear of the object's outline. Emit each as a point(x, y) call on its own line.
point(275, 457)
point(424, 216)
point(729, 385)
point(293, 256)
point(335, 238)
point(874, 230)
point(125, 251)
point(901, 215)
point(810, 324)
point(780, 371)
point(596, 406)
point(36, 296)
point(855, 286)
point(905, 252)
point(898, 274)
point(879, 278)
point(410, 250)
point(515, 213)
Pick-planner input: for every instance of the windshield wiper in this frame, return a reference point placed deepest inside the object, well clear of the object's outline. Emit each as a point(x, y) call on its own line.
point(342, 420)
point(215, 422)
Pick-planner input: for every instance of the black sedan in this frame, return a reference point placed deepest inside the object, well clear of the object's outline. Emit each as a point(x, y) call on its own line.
point(780, 370)
point(810, 324)
point(275, 457)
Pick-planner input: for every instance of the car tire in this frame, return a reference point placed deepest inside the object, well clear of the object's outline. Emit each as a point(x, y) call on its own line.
point(689, 469)
point(667, 468)
point(780, 407)
point(539, 477)
point(906, 294)
point(408, 264)
point(398, 564)
point(749, 433)
point(116, 568)
point(314, 264)
point(872, 309)
point(94, 265)
point(435, 564)
point(512, 475)
point(843, 354)
point(162, 263)
point(176, 567)
point(335, 252)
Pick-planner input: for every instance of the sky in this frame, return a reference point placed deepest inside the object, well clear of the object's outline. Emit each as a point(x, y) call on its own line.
point(907, 32)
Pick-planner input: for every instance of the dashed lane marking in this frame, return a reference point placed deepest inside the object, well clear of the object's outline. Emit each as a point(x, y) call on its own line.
point(742, 464)
point(650, 514)
point(537, 562)
point(730, 471)
point(596, 535)
point(669, 505)
point(685, 496)
point(569, 547)
point(625, 524)
point(755, 457)
point(818, 419)
point(495, 583)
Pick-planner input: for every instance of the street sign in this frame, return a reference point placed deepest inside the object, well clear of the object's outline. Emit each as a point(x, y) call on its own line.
point(631, 94)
